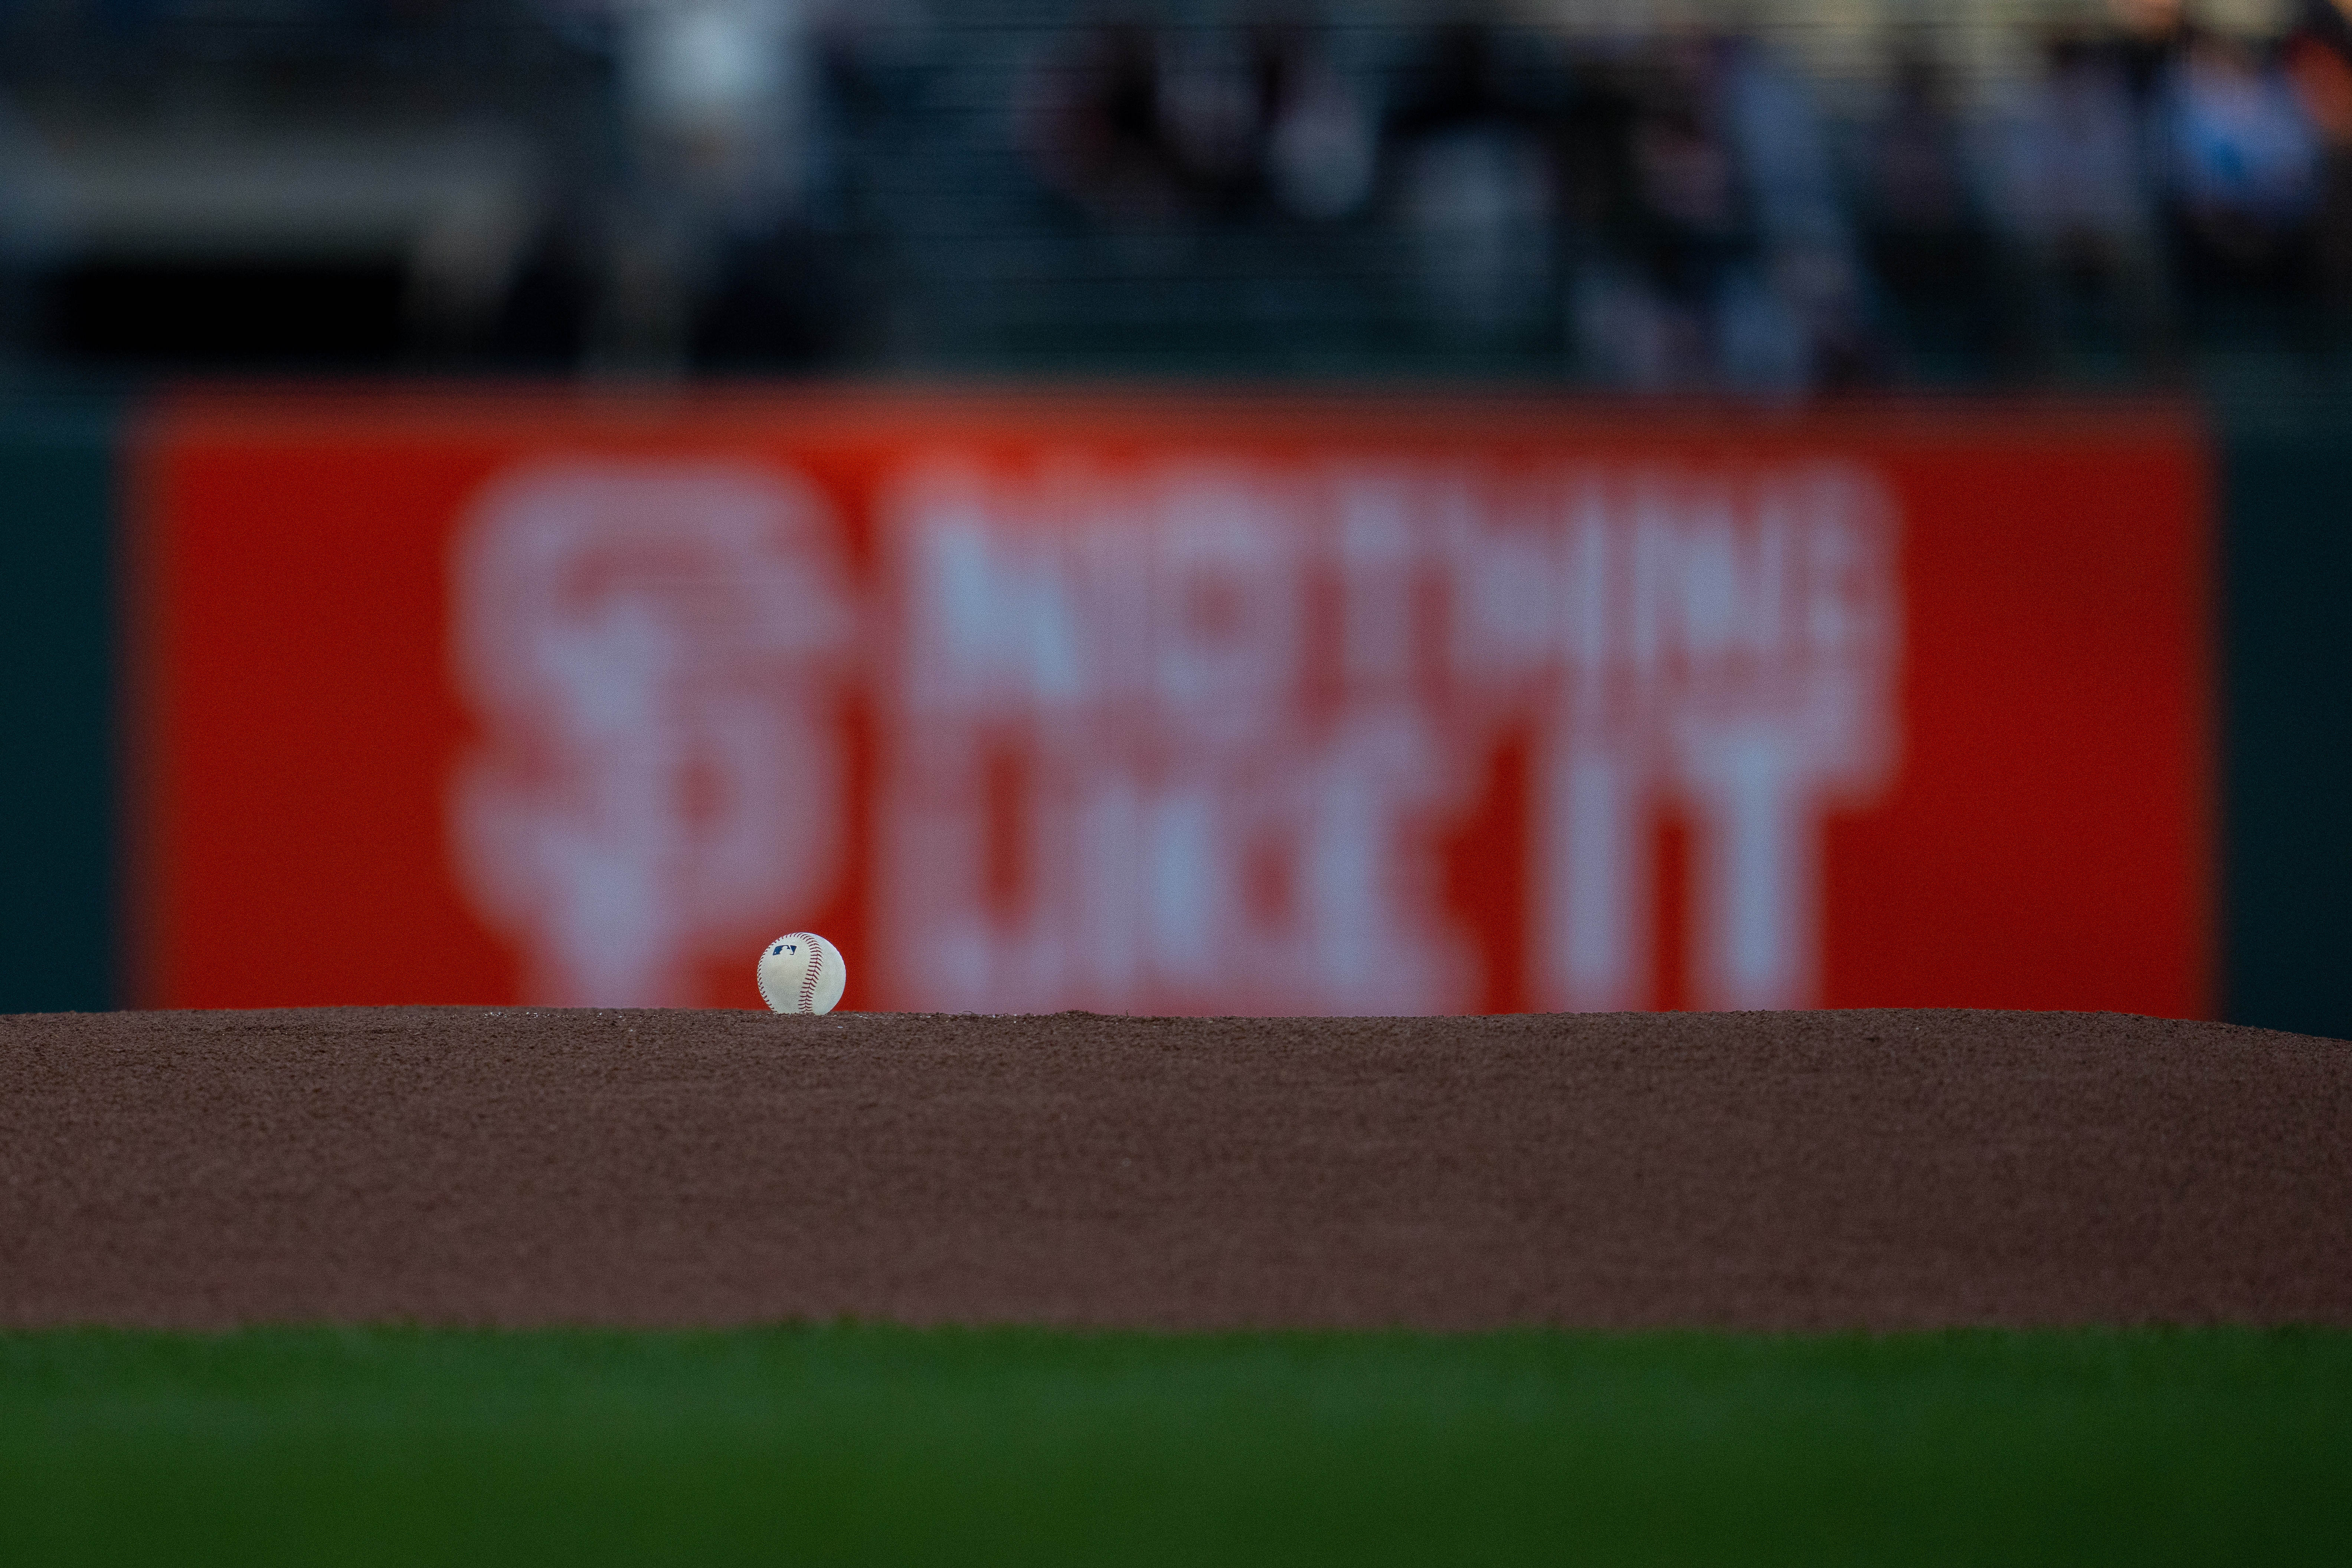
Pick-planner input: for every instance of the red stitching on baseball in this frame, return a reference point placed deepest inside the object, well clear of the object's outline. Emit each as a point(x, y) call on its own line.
point(808, 976)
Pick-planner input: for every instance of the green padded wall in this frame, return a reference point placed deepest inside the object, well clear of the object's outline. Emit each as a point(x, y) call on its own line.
point(2286, 917)
point(58, 818)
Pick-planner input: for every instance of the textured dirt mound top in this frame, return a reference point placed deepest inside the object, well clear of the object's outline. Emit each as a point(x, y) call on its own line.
point(1759, 1170)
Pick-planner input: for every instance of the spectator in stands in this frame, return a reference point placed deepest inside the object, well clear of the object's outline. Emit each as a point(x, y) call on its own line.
point(1736, 265)
point(1319, 147)
point(1644, 307)
point(1138, 124)
point(2318, 61)
point(1811, 262)
point(1209, 115)
point(2076, 200)
point(2145, 37)
point(1472, 182)
point(1928, 242)
point(2242, 166)
point(1095, 124)
point(714, 258)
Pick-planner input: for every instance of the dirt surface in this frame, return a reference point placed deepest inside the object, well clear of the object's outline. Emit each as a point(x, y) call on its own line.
point(1796, 1170)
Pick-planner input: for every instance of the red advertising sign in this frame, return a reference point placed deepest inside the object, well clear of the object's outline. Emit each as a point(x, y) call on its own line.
point(1172, 703)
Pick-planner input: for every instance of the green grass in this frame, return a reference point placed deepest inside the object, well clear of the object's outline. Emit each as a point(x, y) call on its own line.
point(879, 1444)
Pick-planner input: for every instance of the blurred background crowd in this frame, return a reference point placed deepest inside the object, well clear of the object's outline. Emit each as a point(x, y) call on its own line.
point(1753, 197)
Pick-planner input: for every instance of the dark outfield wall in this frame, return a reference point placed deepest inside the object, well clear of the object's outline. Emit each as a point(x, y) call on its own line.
point(56, 708)
point(2286, 920)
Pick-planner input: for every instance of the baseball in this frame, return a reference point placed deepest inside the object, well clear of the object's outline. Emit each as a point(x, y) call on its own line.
point(800, 971)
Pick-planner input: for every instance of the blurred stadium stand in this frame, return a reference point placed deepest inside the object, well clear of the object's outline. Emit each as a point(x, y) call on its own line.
point(1770, 196)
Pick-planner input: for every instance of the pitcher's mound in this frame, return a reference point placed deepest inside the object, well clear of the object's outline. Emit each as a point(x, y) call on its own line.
point(1794, 1170)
